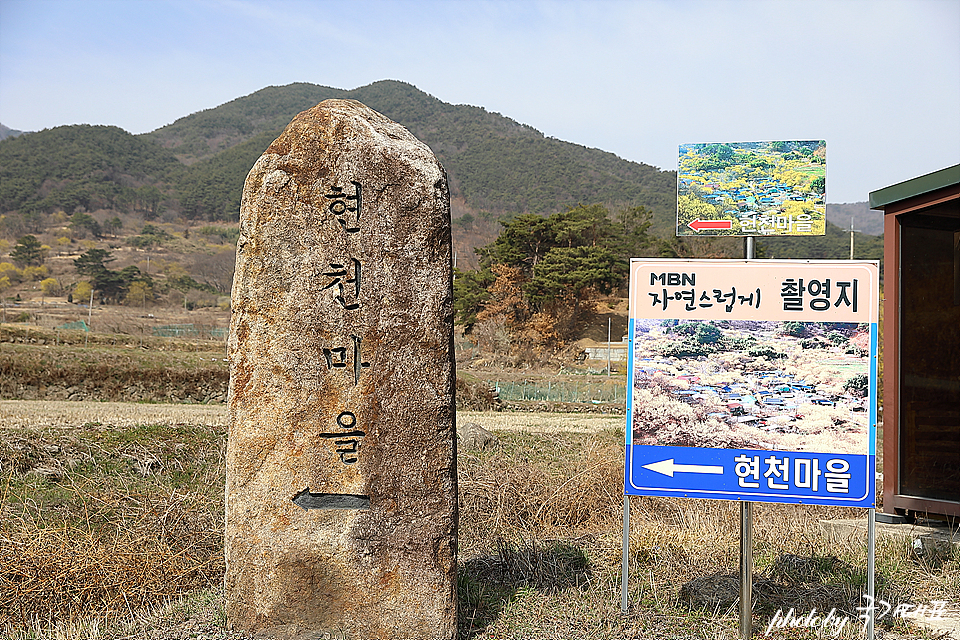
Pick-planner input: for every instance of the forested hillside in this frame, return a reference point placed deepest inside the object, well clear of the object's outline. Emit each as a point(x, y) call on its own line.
point(193, 169)
point(835, 244)
point(81, 167)
point(7, 132)
point(191, 172)
point(493, 162)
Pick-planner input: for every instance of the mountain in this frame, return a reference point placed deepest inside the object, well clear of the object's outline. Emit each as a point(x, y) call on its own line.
point(865, 219)
point(833, 245)
point(79, 166)
point(7, 132)
point(493, 163)
point(193, 170)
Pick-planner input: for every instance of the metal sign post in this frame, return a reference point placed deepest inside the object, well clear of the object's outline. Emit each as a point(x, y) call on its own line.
point(624, 576)
point(746, 540)
point(746, 570)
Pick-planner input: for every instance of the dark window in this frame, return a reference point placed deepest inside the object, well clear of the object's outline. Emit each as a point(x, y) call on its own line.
point(930, 353)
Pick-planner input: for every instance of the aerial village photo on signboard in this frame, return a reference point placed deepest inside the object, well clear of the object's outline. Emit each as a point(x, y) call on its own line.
point(752, 188)
point(749, 384)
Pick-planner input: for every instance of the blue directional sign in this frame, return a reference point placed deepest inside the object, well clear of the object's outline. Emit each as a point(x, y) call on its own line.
point(753, 381)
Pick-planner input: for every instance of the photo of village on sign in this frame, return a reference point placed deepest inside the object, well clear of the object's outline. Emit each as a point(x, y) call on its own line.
point(752, 189)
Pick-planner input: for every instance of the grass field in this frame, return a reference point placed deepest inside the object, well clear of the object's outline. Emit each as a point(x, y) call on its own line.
point(112, 523)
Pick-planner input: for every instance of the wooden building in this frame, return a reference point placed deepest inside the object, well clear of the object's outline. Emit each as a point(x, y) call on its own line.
point(921, 345)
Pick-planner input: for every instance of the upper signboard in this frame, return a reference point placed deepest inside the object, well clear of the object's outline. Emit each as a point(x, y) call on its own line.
point(753, 380)
point(752, 189)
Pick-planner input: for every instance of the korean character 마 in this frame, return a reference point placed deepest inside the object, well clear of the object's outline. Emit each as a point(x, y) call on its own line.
point(838, 480)
point(806, 473)
point(747, 467)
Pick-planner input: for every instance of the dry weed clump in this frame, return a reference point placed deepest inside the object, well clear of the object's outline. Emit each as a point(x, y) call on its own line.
point(104, 522)
point(533, 485)
point(128, 552)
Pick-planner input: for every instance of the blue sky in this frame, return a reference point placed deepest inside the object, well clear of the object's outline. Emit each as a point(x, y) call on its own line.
point(879, 80)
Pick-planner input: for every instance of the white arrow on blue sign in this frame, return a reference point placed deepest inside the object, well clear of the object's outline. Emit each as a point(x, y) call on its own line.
point(669, 467)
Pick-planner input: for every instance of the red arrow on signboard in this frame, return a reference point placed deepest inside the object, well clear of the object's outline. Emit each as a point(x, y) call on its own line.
point(700, 225)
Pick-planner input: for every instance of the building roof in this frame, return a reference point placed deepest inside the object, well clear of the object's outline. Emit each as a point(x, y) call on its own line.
point(915, 187)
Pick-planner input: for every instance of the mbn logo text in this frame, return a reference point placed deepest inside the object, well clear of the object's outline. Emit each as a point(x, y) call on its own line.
point(673, 279)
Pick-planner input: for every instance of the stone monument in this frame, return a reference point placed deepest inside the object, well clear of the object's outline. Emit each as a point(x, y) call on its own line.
point(341, 496)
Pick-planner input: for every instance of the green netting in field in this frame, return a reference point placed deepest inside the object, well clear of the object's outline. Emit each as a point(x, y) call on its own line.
point(79, 325)
point(562, 391)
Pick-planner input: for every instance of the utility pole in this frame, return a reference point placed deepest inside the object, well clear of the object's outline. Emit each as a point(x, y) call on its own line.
point(851, 237)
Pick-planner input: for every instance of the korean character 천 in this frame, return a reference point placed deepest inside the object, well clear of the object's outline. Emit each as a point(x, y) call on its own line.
point(777, 469)
point(348, 299)
point(765, 223)
point(747, 467)
point(838, 480)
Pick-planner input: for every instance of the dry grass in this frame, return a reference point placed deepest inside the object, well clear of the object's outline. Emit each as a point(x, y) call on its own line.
point(114, 530)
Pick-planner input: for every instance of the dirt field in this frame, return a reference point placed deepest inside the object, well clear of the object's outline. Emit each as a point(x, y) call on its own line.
point(31, 413)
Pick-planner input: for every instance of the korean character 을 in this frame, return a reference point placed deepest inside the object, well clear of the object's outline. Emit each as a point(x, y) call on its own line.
point(748, 467)
point(838, 480)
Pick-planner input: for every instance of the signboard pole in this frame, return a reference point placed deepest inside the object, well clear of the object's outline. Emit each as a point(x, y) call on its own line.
point(746, 541)
point(625, 573)
point(746, 569)
point(871, 567)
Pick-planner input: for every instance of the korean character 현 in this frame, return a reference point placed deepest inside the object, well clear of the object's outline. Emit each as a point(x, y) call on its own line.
point(838, 480)
point(347, 208)
point(820, 291)
point(806, 473)
point(777, 469)
point(791, 291)
point(747, 467)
